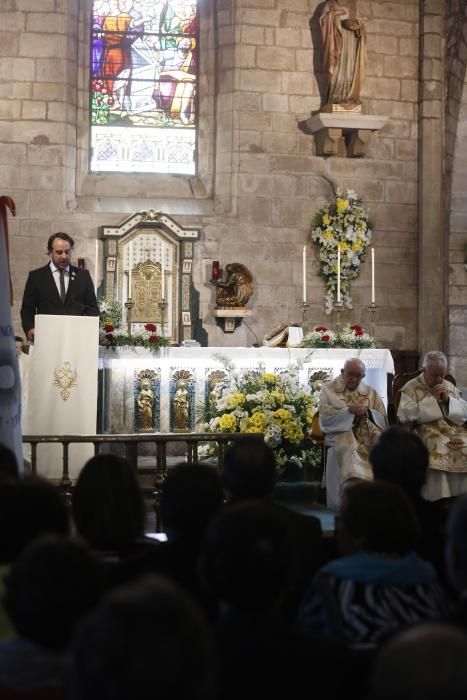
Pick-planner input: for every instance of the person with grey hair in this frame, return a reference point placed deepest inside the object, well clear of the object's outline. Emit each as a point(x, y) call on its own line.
point(351, 415)
point(438, 413)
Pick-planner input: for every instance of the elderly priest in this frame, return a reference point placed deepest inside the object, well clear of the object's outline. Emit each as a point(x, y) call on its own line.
point(439, 413)
point(352, 415)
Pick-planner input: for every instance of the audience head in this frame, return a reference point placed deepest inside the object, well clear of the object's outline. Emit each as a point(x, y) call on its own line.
point(19, 342)
point(146, 635)
point(376, 516)
point(107, 505)
point(249, 468)
point(8, 464)
point(456, 545)
point(400, 456)
point(426, 662)
point(29, 508)
point(247, 558)
point(191, 496)
point(435, 365)
point(53, 584)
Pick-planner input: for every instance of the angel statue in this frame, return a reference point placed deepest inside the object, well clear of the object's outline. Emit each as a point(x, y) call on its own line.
point(237, 287)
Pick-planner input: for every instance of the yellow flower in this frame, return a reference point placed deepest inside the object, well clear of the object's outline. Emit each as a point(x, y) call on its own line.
point(235, 400)
point(228, 423)
point(256, 423)
point(278, 396)
point(282, 415)
point(342, 205)
point(292, 431)
point(357, 245)
point(344, 246)
point(328, 234)
point(268, 378)
point(326, 219)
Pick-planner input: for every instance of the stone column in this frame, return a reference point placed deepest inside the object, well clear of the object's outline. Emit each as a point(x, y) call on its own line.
point(432, 251)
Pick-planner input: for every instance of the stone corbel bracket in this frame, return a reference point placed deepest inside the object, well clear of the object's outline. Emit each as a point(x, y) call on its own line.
point(231, 318)
point(344, 135)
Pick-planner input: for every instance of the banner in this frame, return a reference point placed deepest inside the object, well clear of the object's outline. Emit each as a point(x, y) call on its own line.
point(10, 387)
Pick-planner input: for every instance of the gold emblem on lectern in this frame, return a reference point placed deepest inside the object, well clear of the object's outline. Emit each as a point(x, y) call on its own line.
point(65, 378)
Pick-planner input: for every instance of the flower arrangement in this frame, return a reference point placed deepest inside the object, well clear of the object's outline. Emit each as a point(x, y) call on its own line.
point(112, 335)
point(348, 337)
point(273, 404)
point(342, 224)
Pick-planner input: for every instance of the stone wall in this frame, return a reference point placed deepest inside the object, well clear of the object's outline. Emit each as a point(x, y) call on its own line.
point(260, 181)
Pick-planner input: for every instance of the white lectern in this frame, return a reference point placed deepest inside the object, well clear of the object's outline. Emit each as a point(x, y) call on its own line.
point(63, 388)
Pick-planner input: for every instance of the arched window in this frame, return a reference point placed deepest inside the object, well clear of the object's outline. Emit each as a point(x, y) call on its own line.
point(144, 58)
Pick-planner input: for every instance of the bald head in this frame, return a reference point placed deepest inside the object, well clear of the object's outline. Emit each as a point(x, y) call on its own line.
point(353, 373)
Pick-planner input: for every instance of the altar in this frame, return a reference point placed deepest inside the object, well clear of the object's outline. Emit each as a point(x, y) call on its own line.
point(141, 391)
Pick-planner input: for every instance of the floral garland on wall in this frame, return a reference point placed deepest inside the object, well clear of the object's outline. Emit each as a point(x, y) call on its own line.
point(112, 335)
point(342, 224)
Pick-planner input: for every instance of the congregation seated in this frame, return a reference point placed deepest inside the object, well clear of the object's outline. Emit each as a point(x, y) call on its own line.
point(456, 558)
point(378, 585)
point(400, 457)
point(191, 496)
point(351, 414)
point(435, 407)
point(53, 584)
point(250, 472)
point(426, 662)
point(108, 508)
point(146, 639)
point(8, 464)
point(247, 564)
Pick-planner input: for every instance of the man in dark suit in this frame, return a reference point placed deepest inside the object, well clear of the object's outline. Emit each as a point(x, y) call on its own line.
point(58, 288)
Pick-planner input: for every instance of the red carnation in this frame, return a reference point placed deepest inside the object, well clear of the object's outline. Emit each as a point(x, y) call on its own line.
point(153, 338)
point(150, 327)
point(356, 327)
point(109, 337)
point(320, 329)
point(108, 328)
point(326, 338)
point(359, 331)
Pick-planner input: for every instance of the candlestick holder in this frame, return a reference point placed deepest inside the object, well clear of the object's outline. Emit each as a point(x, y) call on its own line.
point(373, 309)
point(338, 307)
point(162, 308)
point(129, 304)
point(304, 307)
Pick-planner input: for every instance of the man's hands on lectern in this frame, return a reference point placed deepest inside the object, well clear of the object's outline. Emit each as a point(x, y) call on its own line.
point(30, 335)
point(358, 410)
point(440, 393)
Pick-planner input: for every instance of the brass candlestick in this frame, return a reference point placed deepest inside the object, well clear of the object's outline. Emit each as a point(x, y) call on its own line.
point(373, 309)
point(304, 306)
point(162, 308)
point(338, 307)
point(129, 305)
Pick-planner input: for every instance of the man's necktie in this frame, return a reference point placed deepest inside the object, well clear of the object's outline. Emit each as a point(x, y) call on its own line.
point(62, 286)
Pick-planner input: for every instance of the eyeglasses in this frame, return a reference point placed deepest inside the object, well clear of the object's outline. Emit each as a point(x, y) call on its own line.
point(355, 375)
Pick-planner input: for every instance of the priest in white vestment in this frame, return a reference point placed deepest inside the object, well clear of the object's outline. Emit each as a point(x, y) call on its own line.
point(439, 414)
point(351, 415)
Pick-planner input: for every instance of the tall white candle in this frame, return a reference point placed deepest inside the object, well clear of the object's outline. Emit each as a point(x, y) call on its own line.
point(372, 275)
point(338, 273)
point(304, 274)
point(162, 276)
point(116, 281)
point(96, 266)
point(130, 270)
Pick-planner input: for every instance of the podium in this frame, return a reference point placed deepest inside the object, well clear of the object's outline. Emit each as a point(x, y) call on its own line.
point(63, 388)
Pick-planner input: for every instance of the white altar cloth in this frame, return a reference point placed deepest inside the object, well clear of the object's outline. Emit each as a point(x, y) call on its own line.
point(120, 367)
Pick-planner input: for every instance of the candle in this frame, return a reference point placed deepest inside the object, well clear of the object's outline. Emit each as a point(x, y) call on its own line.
point(372, 275)
point(162, 277)
point(304, 274)
point(129, 271)
point(338, 273)
point(96, 265)
point(116, 282)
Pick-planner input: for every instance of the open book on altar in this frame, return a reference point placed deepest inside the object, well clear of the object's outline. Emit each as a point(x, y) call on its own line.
point(284, 335)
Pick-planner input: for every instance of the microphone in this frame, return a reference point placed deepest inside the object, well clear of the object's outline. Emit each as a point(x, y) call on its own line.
point(85, 307)
point(255, 345)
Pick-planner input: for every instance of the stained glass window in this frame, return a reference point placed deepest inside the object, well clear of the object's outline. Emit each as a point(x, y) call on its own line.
point(144, 57)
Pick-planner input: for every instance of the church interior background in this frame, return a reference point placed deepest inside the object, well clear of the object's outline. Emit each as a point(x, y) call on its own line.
point(261, 173)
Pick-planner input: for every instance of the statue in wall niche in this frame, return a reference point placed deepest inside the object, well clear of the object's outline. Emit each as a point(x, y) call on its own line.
point(145, 402)
point(344, 55)
point(180, 406)
point(237, 287)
